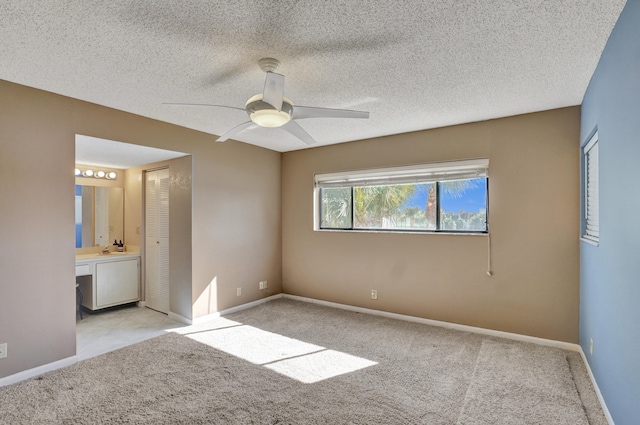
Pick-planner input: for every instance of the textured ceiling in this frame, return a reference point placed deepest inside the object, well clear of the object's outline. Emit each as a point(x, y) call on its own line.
point(414, 64)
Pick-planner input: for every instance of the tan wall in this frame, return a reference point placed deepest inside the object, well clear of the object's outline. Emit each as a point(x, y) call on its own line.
point(236, 229)
point(37, 281)
point(534, 219)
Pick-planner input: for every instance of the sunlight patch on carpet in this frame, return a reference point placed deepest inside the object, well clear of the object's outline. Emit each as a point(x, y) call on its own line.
point(316, 367)
point(302, 361)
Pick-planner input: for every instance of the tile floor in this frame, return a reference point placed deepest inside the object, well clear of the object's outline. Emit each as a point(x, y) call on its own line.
point(109, 330)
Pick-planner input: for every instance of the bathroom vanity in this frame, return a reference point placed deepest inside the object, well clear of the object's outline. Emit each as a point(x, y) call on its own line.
point(107, 280)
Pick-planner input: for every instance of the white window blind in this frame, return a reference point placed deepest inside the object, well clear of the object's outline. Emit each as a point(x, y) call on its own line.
point(423, 173)
point(591, 210)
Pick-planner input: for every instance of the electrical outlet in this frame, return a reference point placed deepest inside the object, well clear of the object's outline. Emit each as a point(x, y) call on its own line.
point(3, 350)
point(239, 291)
point(262, 284)
point(374, 294)
point(266, 285)
point(591, 346)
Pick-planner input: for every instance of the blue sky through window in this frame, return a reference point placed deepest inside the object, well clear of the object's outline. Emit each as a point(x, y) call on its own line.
point(473, 199)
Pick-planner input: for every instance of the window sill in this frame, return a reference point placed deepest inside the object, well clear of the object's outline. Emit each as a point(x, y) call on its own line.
point(590, 241)
point(401, 232)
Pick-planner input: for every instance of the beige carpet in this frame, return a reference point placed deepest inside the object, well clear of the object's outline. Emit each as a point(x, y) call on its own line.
point(536, 388)
point(287, 362)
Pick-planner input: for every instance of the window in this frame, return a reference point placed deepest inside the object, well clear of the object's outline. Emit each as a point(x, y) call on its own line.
point(438, 197)
point(591, 201)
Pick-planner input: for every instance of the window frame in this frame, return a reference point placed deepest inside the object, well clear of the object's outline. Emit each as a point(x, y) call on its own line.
point(434, 173)
point(590, 150)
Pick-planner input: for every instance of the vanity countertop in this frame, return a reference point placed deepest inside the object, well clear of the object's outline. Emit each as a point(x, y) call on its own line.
point(106, 257)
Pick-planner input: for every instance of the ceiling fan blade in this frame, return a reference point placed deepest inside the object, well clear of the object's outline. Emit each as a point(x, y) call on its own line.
point(203, 104)
point(302, 112)
point(273, 90)
point(299, 132)
point(235, 130)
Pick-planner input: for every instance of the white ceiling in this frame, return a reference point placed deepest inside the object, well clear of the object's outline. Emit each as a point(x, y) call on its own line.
point(414, 64)
point(113, 154)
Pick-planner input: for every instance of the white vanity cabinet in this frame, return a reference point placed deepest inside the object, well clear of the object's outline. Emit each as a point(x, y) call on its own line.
point(117, 282)
point(108, 280)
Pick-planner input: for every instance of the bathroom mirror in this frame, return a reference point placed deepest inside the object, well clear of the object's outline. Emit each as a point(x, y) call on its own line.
point(99, 215)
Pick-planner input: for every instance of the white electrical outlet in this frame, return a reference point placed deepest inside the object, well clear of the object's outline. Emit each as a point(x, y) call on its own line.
point(591, 346)
point(239, 291)
point(262, 284)
point(266, 285)
point(3, 350)
point(374, 294)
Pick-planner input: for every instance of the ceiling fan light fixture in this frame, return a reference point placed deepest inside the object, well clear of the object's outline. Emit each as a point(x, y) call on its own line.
point(270, 118)
point(265, 115)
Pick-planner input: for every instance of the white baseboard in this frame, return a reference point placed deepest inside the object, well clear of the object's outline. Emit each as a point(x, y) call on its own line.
point(454, 326)
point(235, 309)
point(179, 318)
point(605, 409)
point(30, 373)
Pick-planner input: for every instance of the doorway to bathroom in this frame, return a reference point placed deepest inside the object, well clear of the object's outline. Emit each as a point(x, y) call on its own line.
point(110, 328)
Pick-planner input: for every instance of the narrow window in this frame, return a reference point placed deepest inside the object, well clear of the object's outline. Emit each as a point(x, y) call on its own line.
point(449, 197)
point(335, 208)
point(591, 190)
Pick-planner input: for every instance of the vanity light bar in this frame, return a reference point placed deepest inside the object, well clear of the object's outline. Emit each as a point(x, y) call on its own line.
point(109, 175)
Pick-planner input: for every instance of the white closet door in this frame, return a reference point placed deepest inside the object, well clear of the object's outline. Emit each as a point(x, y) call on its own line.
point(163, 241)
point(157, 240)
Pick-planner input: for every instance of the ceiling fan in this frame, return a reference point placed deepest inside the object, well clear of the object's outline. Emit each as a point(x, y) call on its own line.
point(272, 109)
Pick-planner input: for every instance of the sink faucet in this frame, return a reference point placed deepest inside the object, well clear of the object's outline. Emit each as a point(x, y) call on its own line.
point(105, 249)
